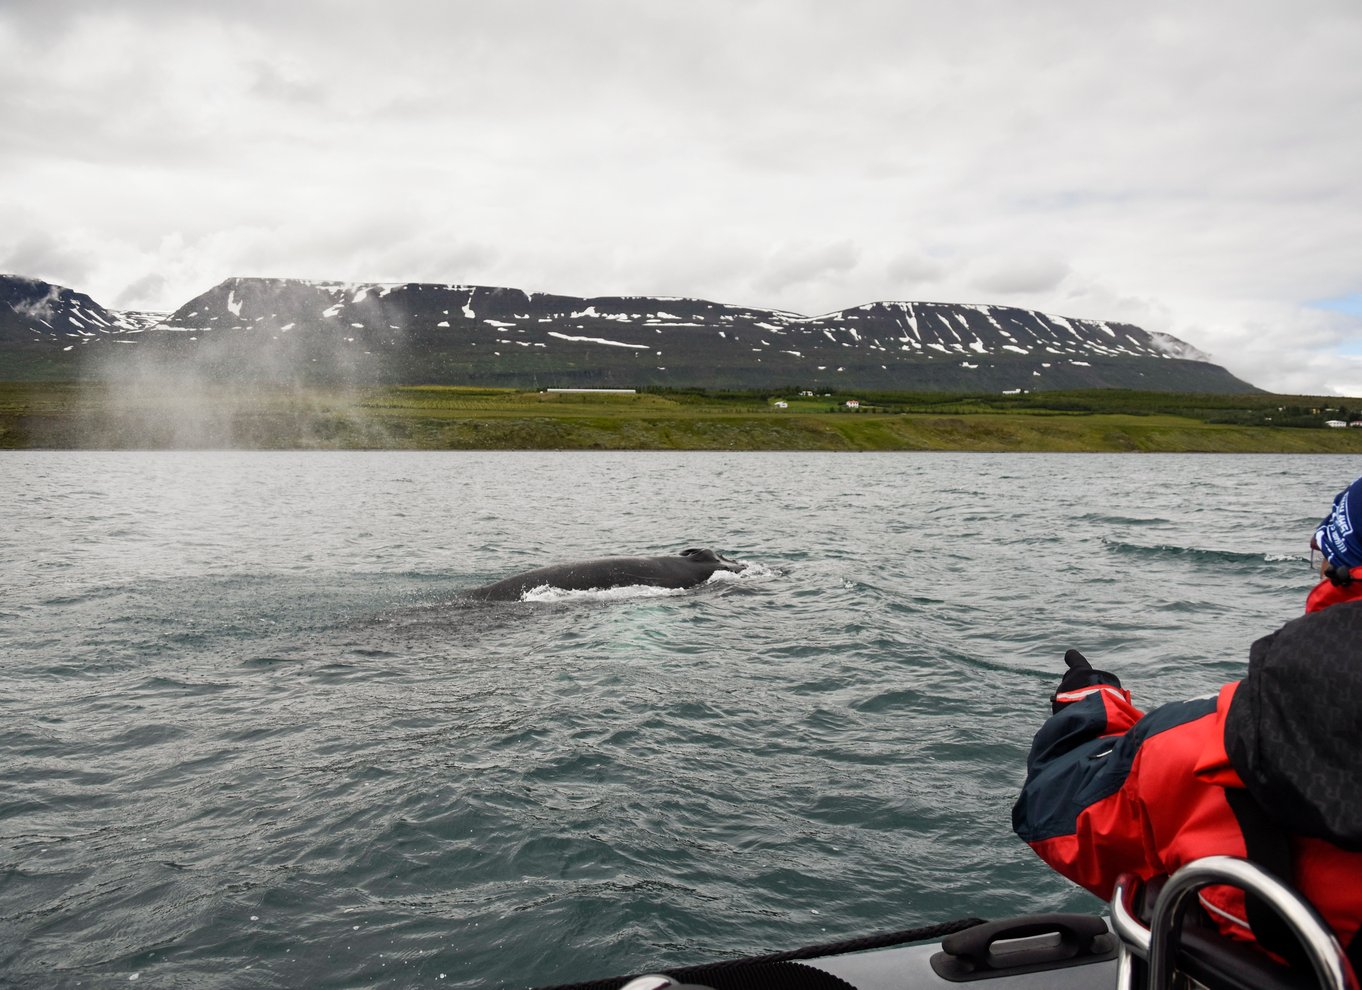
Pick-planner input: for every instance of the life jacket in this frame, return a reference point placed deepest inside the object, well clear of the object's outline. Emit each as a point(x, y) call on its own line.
point(1294, 729)
point(1293, 734)
point(1332, 591)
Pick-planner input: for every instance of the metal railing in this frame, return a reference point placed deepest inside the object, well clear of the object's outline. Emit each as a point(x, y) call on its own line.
point(1158, 943)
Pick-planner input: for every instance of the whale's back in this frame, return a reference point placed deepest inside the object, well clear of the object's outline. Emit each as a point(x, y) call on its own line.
point(683, 570)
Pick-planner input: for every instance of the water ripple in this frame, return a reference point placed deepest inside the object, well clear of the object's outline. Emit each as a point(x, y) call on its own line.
point(254, 738)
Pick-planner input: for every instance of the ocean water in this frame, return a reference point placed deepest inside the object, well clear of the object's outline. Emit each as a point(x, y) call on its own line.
point(251, 737)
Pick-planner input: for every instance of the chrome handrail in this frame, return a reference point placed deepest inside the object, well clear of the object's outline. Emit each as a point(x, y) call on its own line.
point(1132, 938)
point(1155, 943)
point(1124, 921)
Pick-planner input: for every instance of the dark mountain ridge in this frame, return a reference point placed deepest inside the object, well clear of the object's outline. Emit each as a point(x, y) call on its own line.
point(291, 329)
point(36, 312)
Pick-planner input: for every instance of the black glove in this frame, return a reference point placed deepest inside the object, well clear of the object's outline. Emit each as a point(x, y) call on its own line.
point(1079, 675)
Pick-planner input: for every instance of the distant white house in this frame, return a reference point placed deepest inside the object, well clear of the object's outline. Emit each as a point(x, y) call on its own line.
point(853, 403)
point(593, 391)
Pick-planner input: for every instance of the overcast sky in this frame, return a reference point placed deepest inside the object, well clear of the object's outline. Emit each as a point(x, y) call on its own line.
point(1191, 167)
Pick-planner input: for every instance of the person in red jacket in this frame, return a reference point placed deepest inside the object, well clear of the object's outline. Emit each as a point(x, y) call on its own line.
point(1111, 790)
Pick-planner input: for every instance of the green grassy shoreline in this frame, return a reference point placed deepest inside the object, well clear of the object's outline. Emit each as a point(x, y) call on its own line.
point(84, 416)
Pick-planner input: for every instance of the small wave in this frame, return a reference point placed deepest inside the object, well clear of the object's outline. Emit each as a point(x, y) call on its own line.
point(84, 596)
point(752, 572)
point(547, 593)
point(177, 686)
point(269, 661)
point(1109, 520)
point(1197, 553)
point(891, 701)
point(724, 577)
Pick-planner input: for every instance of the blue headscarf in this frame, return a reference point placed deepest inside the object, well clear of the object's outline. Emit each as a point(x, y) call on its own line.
point(1337, 534)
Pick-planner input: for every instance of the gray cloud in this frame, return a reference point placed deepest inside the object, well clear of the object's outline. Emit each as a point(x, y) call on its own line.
point(149, 286)
point(910, 271)
point(803, 264)
point(1186, 167)
point(1020, 274)
point(43, 255)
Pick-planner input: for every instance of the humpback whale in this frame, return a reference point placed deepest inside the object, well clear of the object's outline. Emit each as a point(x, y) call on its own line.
point(683, 570)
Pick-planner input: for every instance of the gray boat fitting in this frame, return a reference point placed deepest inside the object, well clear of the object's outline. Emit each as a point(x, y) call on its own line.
point(1059, 951)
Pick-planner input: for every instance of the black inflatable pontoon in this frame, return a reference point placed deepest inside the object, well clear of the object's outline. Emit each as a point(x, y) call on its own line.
point(1153, 940)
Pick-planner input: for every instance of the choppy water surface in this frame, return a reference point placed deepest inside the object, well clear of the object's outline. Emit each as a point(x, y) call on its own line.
point(251, 737)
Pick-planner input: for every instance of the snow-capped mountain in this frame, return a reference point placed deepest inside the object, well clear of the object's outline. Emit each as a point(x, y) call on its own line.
point(465, 334)
point(36, 312)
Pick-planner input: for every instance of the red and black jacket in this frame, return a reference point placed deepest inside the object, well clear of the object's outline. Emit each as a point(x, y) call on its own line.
point(1111, 790)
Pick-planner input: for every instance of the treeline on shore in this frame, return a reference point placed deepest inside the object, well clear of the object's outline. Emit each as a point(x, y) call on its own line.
point(169, 414)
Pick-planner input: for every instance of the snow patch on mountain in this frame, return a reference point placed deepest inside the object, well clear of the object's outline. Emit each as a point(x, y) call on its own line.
point(596, 340)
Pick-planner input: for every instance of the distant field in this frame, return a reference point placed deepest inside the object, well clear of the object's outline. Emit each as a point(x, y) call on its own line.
point(82, 416)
